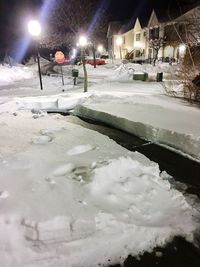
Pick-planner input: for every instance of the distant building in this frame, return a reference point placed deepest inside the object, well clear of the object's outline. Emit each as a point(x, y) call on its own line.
point(136, 36)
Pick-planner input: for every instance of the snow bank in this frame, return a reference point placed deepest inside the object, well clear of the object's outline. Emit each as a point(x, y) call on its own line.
point(55, 103)
point(124, 72)
point(16, 73)
point(150, 122)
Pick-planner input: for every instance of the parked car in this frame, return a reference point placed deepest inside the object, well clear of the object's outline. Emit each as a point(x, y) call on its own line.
point(99, 61)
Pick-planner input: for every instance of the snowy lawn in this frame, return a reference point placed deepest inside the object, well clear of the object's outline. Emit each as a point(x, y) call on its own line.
point(72, 197)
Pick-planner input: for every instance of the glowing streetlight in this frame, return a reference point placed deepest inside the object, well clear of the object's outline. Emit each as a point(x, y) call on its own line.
point(34, 29)
point(182, 49)
point(100, 48)
point(82, 41)
point(119, 42)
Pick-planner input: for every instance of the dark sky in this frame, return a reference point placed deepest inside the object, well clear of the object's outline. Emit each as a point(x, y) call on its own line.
point(118, 9)
point(124, 9)
point(12, 12)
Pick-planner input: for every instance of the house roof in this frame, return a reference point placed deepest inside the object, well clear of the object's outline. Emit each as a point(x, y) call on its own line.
point(117, 27)
point(163, 16)
point(127, 25)
point(113, 28)
point(193, 13)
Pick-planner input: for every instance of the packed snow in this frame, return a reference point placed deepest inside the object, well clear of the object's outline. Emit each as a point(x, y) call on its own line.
point(70, 196)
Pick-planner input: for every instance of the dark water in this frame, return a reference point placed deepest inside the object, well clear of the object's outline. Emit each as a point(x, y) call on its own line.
point(178, 252)
point(181, 168)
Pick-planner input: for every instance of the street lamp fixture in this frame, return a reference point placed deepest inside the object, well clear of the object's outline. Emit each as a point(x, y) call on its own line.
point(82, 41)
point(34, 29)
point(119, 42)
point(100, 48)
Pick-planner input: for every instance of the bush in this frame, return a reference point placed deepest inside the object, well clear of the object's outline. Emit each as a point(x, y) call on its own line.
point(189, 70)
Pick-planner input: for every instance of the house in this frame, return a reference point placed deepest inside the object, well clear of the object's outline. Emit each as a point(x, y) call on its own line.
point(136, 38)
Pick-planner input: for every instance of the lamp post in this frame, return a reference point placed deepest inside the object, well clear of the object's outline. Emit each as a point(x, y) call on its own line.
point(34, 29)
point(83, 43)
point(119, 42)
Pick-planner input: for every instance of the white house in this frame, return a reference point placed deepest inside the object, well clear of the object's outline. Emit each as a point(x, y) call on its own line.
point(135, 38)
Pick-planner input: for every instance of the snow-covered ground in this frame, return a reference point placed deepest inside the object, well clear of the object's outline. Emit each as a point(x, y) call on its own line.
point(10, 75)
point(71, 196)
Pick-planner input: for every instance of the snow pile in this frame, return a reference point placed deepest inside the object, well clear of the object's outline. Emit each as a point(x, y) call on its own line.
point(15, 73)
point(123, 73)
point(138, 194)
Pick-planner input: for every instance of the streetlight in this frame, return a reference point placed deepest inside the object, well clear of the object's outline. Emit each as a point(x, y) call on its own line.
point(182, 49)
point(34, 29)
point(83, 42)
point(100, 48)
point(119, 42)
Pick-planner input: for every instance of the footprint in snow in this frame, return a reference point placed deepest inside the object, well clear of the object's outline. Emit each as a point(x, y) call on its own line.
point(4, 194)
point(80, 149)
point(42, 139)
point(63, 170)
point(52, 131)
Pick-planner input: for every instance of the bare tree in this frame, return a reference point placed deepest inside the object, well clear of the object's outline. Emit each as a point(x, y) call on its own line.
point(156, 44)
point(71, 18)
point(190, 66)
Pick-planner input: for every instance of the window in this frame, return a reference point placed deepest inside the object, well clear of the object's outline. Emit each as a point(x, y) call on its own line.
point(144, 33)
point(154, 33)
point(137, 37)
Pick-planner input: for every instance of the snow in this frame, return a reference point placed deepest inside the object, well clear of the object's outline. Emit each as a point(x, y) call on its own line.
point(79, 149)
point(151, 122)
point(70, 196)
point(63, 169)
point(16, 73)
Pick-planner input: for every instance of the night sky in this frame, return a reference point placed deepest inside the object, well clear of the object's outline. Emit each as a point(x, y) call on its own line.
point(13, 12)
point(124, 9)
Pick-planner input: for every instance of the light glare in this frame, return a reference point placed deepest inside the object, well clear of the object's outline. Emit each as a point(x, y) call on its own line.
point(119, 40)
point(182, 49)
point(82, 41)
point(100, 48)
point(34, 28)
